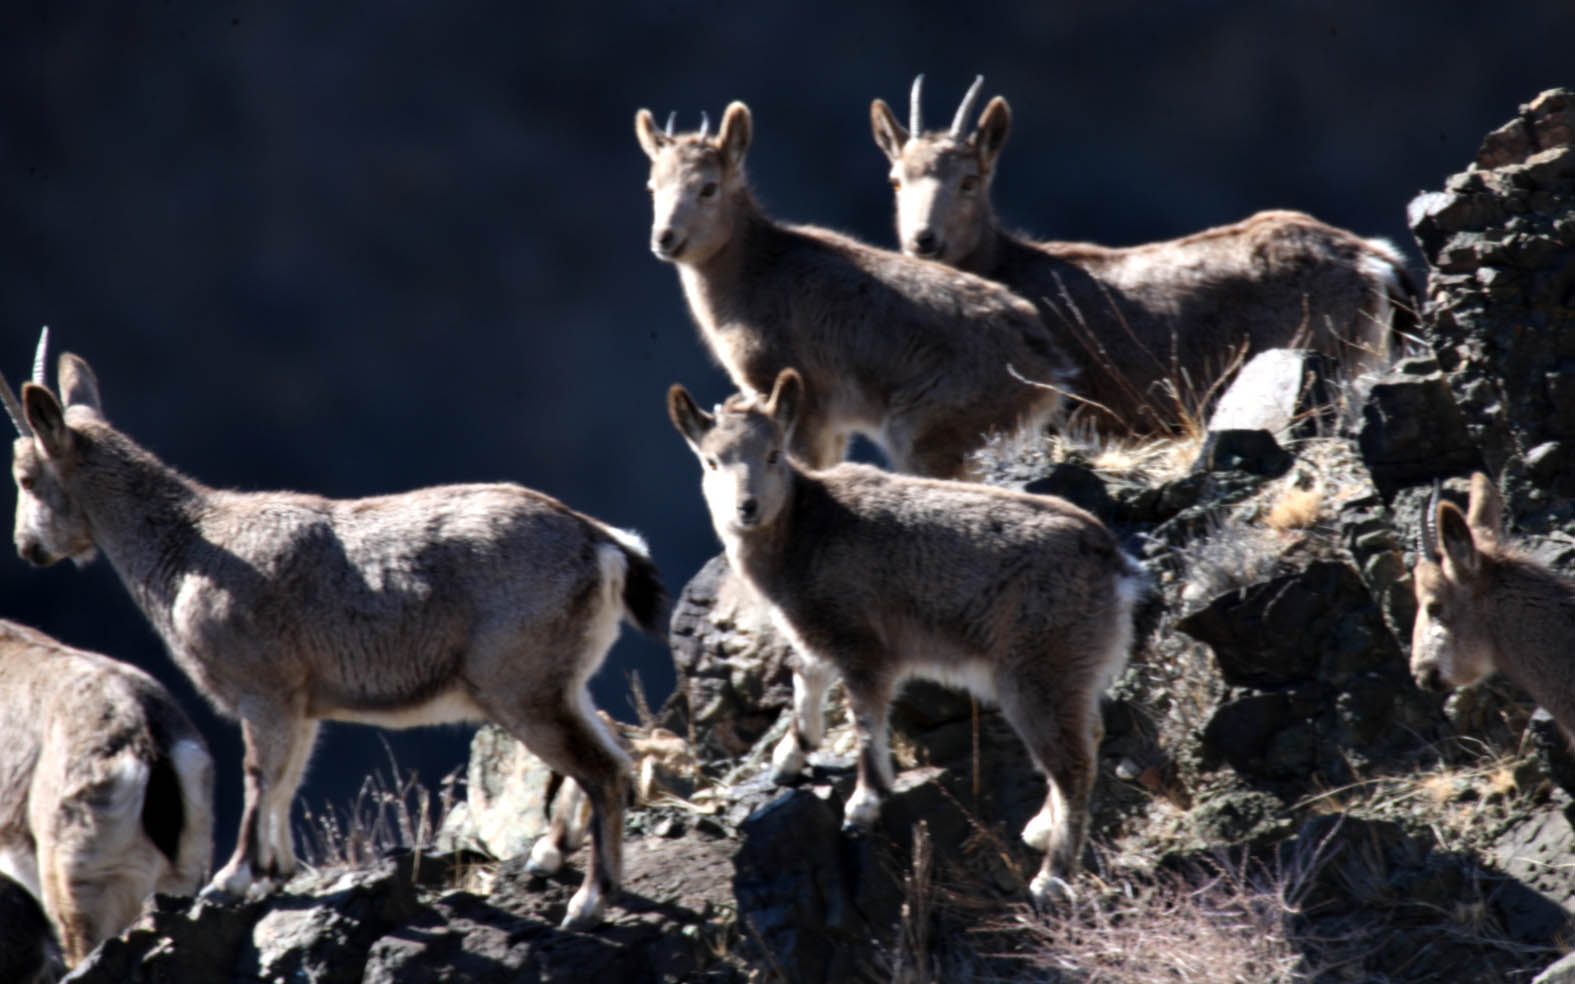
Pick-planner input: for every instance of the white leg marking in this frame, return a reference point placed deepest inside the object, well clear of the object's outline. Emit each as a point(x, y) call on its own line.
point(545, 858)
point(787, 760)
point(863, 808)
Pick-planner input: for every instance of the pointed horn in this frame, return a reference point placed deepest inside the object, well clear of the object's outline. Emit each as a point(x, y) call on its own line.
point(39, 355)
point(705, 125)
point(13, 408)
point(966, 106)
point(672, 118)
point(1427, 533)
point(915, 116)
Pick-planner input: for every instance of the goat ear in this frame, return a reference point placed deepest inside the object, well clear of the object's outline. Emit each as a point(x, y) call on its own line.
point(787, 399)
point(990, 136)
point(733, 137)
point(651, 138)
point(47, 420)
point(692, 422)
point(1462, 560)
point(1486, 514)
point(890, 136)
point(78, 384)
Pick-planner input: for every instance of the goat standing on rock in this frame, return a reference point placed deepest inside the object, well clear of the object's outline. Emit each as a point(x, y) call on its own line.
point(913, 355)
point(453, 603)
point(1022, 599)
point(1483, 607)
point(1139, 321)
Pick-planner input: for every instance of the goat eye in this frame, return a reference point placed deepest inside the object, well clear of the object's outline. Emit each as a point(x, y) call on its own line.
point(773, 457)
point(709, 190)
point(26, 482)
point(970, 183)
point(711, 463)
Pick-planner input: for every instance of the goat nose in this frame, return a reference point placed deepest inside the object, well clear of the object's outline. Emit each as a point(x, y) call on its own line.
point(1431, 679)
point(748, 509)
point(32, 552)
point(664, 240)
point(924, 242)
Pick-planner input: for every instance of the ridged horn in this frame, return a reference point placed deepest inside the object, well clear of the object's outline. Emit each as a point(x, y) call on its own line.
point(39, 355)
point(1427, 532)
point(966, 106)
point(13, 408)
point(915, 113)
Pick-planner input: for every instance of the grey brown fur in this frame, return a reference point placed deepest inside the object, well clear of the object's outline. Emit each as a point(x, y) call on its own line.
point(913, 355)
point(1150, 327)
point(1484, 607)
point(455, 603)
point(1023, 599)
point(106, 788)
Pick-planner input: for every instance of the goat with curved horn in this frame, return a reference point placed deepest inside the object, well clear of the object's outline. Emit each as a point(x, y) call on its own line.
point(915, 114)
point(966, 106)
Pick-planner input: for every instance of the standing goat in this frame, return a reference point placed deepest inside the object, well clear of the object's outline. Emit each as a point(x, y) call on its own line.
point(1148, 326)
point(1481, 607)
point(1022, 599)
point(106, 788)
point(915, 356)
point(453, 603)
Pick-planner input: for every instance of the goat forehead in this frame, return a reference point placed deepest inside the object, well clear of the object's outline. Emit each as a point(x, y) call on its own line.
point(939, 157)
point(743, 434)
point(686, 160)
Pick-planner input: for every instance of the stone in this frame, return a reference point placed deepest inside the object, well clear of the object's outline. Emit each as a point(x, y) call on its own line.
point(1285, 392)
point(1412, 431)
point(1252, 451)
point(29, 953)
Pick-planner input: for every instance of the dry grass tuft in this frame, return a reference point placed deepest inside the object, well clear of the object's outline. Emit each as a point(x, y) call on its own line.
point(384, 815)
point(1296, 508)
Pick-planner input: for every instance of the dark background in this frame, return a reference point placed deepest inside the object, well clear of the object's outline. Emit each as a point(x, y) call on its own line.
point(360, 248)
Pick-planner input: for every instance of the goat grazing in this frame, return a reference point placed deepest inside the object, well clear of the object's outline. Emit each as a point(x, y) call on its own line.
point(453, 603)
point(1023, 599)
point(106, 788)
point(1482, 607)
point(1139, 321)
point(913, 355)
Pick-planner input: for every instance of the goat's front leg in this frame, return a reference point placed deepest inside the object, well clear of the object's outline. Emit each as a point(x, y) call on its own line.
point(811, 677)
point(869, 700)
point(276, 748)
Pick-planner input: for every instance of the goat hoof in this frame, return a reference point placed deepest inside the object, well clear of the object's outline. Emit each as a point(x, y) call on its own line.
point(586, 910)
point(1049, 891)
point(787, 762)
point(545, 858)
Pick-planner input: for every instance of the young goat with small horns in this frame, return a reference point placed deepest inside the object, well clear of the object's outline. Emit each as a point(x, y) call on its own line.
point(1483, 607)
point(1022, 599)
point(453, 603)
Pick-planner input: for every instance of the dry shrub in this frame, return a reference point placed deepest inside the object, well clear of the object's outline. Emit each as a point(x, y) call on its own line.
point(384, 815)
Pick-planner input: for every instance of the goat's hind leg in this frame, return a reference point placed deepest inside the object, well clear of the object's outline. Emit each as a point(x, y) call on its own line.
point(1062, 735)
point(570, 739)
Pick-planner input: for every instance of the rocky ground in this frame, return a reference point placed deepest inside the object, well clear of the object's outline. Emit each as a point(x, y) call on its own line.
point(1277, 801)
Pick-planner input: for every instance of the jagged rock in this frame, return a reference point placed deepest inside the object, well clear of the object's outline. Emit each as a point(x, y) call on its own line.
point(1500, 313)
point(1412, 431)
point(508, 791)
point(1553, 748)
point(732, 665)
point(1283, 391)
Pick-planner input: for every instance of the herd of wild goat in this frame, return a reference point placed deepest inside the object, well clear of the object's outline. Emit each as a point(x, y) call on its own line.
point(495, 602)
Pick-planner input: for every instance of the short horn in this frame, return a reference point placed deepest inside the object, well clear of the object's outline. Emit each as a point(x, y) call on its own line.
point(13, 408)
point(1427, 533)
point(672, 118)
point(915, 115)
point(39, 355)
point(705, 125)
point(966, 106)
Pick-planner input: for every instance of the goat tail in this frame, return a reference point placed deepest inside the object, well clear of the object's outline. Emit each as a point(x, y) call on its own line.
point(644, 595)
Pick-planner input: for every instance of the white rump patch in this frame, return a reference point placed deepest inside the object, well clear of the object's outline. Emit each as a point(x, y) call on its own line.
point(630, 539)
